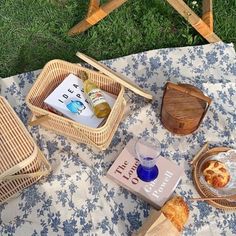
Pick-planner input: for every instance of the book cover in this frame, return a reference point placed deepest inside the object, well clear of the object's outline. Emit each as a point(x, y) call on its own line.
point(156, 192)
point(69, 100)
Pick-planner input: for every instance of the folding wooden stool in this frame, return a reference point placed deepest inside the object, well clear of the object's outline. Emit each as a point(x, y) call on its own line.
point(203, 25)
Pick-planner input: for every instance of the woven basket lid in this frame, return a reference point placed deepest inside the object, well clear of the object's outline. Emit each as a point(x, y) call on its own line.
point(184, 106)
point(114, 75)
point(16, 144)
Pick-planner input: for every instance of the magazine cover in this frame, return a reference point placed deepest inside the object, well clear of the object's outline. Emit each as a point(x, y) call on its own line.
point(156, 192)
point(69, 100)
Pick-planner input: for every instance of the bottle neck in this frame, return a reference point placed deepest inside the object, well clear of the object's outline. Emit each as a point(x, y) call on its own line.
point(83, 75)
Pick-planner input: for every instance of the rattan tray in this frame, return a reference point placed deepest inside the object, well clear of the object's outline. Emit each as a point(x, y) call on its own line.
point(201, 188)
point(21, 162)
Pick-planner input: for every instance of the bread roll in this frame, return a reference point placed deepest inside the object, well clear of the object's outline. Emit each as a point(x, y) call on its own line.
point(177, 211)
point(215, 173)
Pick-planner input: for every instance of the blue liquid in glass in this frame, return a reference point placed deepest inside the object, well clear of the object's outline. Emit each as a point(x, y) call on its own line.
point(146, 173)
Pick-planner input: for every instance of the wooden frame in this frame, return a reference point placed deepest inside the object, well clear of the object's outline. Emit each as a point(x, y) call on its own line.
point(95, 14)
point(203, 25)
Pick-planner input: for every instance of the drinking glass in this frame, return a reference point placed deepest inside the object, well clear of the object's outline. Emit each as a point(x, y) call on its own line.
point(147, 151)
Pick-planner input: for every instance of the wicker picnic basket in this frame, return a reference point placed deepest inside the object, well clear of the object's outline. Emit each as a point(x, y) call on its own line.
point(53, 74)
point(22, 163)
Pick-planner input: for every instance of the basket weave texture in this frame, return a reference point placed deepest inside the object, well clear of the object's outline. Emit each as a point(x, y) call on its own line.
point(53, 73)
point(183, 108)
point(202, 189)
point(21, 162)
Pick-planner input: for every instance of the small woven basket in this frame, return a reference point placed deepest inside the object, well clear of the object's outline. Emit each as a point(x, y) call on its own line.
point(22, 163)
point(51, 76)
point(183, 108)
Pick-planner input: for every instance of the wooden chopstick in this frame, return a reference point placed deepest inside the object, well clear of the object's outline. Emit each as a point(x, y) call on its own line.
point(232, 197)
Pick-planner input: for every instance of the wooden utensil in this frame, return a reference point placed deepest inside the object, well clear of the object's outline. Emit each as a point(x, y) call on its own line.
point(230, 197)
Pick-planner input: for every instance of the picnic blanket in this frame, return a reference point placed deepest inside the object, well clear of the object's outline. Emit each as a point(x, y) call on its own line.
point(78, 199)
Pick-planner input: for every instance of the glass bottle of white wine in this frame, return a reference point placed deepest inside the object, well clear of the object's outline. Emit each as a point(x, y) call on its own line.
point(100, 106)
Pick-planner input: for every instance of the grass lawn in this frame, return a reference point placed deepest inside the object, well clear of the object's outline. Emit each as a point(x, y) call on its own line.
point(32, 32)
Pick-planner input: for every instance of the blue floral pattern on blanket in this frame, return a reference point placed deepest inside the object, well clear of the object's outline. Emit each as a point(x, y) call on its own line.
point(78, 199)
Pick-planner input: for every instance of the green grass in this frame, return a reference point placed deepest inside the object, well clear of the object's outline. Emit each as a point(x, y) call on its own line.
point(32, 32)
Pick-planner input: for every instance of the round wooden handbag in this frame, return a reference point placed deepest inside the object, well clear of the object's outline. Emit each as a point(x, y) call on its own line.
point(183, 108)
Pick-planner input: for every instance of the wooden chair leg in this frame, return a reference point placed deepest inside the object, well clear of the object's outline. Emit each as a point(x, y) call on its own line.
point(84, 25)
point(95, 15)
point(207, 13)
point(204, 26)
point(183, 9)
point(93, 6)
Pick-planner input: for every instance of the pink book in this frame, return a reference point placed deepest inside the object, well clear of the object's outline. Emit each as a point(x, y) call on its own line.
point(156, 192)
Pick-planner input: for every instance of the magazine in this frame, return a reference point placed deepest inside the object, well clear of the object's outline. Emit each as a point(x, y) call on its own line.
point(69, 100)
point(156, 192)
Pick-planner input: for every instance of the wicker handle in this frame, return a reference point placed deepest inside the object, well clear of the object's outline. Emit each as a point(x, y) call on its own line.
point(37, 120)
point(121, 79)
point(10, 173)
point(30, 175)
point(189, 91)
point(204, 149)
point(83, 135)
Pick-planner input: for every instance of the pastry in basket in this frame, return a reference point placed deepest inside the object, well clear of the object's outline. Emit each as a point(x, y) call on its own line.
point(177, 211)
point(215, 173)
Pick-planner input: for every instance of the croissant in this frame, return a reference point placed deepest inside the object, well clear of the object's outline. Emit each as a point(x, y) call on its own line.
point(177, 211)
